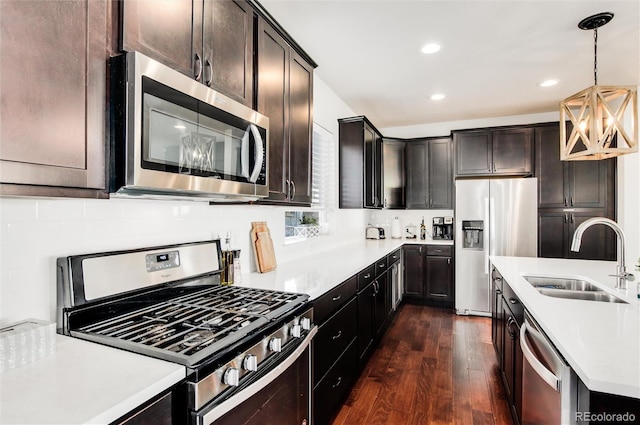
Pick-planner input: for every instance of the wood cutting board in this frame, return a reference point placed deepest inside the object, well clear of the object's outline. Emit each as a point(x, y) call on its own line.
point(263, 246)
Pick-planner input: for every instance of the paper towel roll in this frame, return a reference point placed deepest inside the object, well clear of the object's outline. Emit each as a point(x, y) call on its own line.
point(396, 231)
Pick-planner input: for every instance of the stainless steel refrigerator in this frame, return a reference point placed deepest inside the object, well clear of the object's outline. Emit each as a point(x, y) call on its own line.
point(493, 217)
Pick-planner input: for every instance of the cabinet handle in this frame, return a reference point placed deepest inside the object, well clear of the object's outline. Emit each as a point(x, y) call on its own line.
point(197, 67)
point(513, 301)
point(338, 382)
point(381, 265)
point(571, 218)
point(494, 167)
point(566, 218)
point(449, 261)
point(293, 190)
point(566, 202)
point(208, 72)
point(367, 276)
point(336, 298)
point(336, 336)
point(498, 291)
point(571, 201)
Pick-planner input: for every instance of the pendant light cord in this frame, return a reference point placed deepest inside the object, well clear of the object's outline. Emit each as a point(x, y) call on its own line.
point(595, 56)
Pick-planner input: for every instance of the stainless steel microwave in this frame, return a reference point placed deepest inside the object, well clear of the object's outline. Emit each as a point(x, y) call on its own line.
point(172, 136)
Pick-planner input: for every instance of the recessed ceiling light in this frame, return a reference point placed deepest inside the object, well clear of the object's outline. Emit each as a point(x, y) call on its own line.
point(179, 127)
point(430, 48)
point(548, 83)
point(437, 96)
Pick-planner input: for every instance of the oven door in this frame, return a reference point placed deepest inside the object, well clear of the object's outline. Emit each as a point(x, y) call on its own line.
point(280, 395)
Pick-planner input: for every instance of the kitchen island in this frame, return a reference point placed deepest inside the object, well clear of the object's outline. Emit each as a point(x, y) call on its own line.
point(599, 340)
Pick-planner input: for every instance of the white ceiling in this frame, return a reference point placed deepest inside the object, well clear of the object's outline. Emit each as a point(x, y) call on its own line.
point(494, 53)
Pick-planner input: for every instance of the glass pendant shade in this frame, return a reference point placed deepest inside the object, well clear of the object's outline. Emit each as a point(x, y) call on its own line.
point(599, 122)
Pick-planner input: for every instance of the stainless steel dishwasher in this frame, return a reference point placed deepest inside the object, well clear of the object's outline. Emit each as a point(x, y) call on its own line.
point(549, 385)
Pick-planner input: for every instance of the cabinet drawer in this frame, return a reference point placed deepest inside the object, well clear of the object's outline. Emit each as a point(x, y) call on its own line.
point(393, 257)
point(381, 266)
point(328, 303)
point(332, 338)
point(513, 302)
point(440, 250)
point(366, 276)
point(330, 391)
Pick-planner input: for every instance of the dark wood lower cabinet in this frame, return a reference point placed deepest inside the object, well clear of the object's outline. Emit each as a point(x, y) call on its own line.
point(352, 319)
point(507, 316)
point(428, 274)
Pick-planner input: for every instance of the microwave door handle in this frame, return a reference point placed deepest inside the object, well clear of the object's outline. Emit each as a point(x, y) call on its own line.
point(244, 154)
point(544, 373)
point(259, 153)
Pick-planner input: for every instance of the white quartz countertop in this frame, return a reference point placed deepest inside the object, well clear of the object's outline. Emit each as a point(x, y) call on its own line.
point(83, 382)
point(317, 274)
point(599, 340)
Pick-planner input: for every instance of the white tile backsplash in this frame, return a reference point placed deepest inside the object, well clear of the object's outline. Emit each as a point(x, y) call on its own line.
point(35, 232)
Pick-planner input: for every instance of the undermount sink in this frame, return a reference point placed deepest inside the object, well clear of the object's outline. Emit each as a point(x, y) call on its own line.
point(601, 296)
point(575, 289)
point(561, 283)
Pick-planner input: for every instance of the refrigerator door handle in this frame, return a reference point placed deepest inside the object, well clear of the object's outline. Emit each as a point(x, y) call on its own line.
point(486, 236)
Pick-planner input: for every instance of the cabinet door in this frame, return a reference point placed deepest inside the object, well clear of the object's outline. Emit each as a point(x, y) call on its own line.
point(553, 184)
point(598, 242)
point(508, 355)
point(372, 168)
point(552, 234)
point(413, 271)
point(300, 128)
point(417, 176)
point(52, 114)
point(439, 278)
point(382, 290)
point(228, 30)
point(513, 151)
point(168, 31)
point(351, 163)
point(473, 153)
point(496, 313)
point(440, 169)
point(591, 183)
point(273, 92)
point(393, 174)
point(366, 311)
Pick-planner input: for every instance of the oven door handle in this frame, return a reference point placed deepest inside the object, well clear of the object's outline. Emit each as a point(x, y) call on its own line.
point(258, 156)
point(254, 388)
point(545, 374)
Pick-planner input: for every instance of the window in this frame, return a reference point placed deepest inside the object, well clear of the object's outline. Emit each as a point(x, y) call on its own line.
point(311, 222)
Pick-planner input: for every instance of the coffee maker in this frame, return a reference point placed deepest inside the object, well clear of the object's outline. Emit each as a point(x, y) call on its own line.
point(442, 228)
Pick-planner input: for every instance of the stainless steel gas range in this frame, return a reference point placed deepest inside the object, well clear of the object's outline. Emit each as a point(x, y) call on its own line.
point(247, 351)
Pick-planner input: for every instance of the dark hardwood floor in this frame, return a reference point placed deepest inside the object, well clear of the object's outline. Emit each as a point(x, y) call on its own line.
point(432, 367)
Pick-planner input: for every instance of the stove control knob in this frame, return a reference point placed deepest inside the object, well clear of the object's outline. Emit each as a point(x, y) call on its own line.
point(306, 323)
point(296, 331)
point(275, 345)
point(250, 363)
point(231, 377)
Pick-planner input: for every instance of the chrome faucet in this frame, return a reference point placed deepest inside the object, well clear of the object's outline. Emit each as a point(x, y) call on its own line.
point(622, 275)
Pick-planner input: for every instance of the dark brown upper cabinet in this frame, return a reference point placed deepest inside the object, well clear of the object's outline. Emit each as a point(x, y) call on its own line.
point(393, 173)
point(360, 164)
point(168, 31)
point(504, 151)
point(285, 95)
point(571, 184)
point(53, 112)
point(570, 192)
point(211, 41)
point(429, 173)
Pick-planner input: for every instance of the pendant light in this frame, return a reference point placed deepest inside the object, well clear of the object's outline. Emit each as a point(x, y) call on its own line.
point(603, 119)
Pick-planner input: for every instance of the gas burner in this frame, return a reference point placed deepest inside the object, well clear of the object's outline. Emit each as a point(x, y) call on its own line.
point(255, 308)
point(198, 338)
